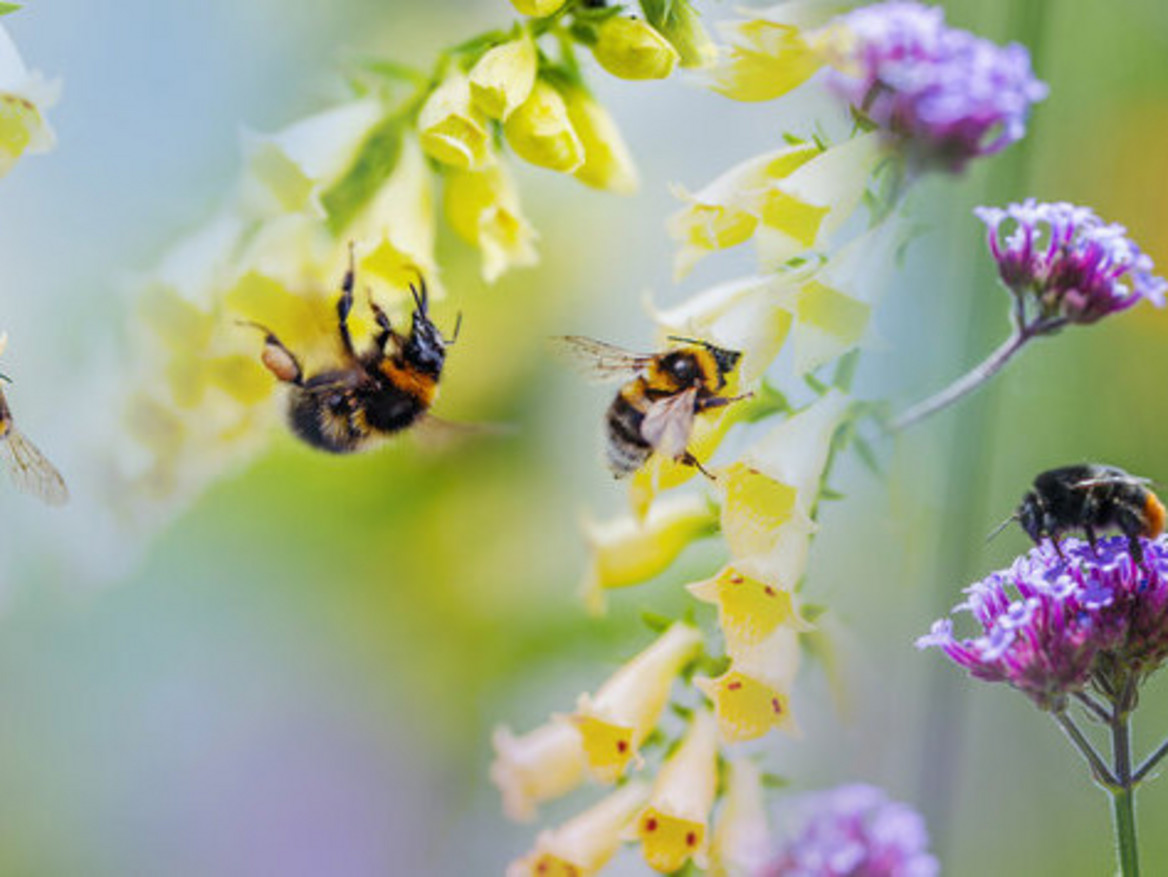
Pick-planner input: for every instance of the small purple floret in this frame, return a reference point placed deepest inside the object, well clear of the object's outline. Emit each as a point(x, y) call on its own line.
point(856, 830)
point(1072, 263)
point(948, 94)
point(1047, 624)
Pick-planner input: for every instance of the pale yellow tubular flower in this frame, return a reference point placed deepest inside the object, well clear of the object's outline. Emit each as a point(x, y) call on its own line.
point(726, 212)
point(663, 473)
point(769, 494)
point(483, 209)
point(749, 610)
point(582, 846)
point(608, 164)
point(752, 697)
point(631, 48)
point(451, 129)
point(626, 551)
point(800, 212)
point(541, 132)
point(537, 8)
point(287, 171)
point(672, 828)
point(538, 766)
point(741, 846)
point(395, 232)
point(624, 711)
point(3, 342)
point(834, 308)
point(752, 315)
point(24, 96)
point(770, 53)
point(503, 77)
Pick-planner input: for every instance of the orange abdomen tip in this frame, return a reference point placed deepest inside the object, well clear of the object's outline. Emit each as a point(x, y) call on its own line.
point(1153, 516)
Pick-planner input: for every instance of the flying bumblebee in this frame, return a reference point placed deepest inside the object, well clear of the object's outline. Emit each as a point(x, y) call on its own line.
point(655, 410)
point(26, 466)
point(1090, 497)
point(369, 396)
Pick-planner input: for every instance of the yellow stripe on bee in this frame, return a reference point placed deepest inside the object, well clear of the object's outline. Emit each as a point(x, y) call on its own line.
point(415, 383)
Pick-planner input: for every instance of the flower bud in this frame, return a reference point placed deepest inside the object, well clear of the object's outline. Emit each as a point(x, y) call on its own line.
point(451, 129)
point(632, 49)
point(742, 844)
point(537, 8)
point(541, 133)
point(607, 161)
point(483, 209)
point(503, 77)
point(539, 766)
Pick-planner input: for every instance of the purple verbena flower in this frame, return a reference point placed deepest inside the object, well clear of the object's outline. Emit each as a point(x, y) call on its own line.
point(855, 831)
point(1074, 265)
point(1049, 623)
point(948, 94)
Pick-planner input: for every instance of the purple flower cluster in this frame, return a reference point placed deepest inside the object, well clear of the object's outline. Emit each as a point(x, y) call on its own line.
point(1074, 265)
point(1049, 622)
point(856, 831)
point(949, 95)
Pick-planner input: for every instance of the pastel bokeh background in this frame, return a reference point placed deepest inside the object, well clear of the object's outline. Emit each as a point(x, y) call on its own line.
point(299, 673)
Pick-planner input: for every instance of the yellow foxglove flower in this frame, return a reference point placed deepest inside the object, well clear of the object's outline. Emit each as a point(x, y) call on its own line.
point(749, 610)
point(582, 846)
point(286, 172)
point(626, 551)
point(537, 8)
point(539, 766)
point(631, 48)
point(541, 133)
point(802, 210)
point(752, 315)
point(24, 95)
point(726, 212)
point(625, 710)
point(608, 164)
point(768, 495)
point(452, 130)
point(502, 78)
point(751, 697)
point(483, 209)
point(769, 54)
point(395, 232)
point(741, 846)
point(672, 828)
point(663, 473)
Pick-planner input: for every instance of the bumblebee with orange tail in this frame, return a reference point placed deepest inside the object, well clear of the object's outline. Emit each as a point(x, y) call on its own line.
point(29, 469)
point(1090, 497)
point(654, 412)
point(370, 395)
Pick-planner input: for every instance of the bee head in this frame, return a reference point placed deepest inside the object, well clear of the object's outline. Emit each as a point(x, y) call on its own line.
point(724, 360)
point(1030, 516)
point(425, 348)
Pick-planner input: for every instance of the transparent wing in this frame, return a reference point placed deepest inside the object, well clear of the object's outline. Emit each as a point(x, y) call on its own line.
point(1111, 479)
point(668, 423)
point(597, 360)
point(436, 434)
point(30, 470)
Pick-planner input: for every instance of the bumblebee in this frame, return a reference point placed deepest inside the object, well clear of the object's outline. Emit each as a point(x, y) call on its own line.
point(370, 395)
point(28, 468)
point(1090, 497)
point(655, 410)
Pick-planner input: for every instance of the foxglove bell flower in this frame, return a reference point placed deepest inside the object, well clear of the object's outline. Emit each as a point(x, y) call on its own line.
point(949, 95)
point(1049, 623)
point(1069, 261)
point(856, 830)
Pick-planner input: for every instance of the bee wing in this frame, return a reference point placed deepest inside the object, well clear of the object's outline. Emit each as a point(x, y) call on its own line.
point(437, 434)
point(668, 423)
point(30, 470)
point(597, 360)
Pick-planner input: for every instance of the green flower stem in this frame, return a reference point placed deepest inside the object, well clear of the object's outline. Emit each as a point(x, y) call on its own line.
point(1150, 762)
point(1123, 805)
point(1099, 770)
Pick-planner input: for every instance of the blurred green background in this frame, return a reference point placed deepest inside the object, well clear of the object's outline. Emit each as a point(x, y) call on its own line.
point(299, 674)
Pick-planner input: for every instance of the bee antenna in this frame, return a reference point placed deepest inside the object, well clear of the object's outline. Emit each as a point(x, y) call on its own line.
point(683, 340)
point(252, 324)
point(5, 378)
point(1002, 526)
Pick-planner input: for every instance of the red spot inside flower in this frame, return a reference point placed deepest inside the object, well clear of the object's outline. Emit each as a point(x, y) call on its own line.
point(571, 871)
point(736, 579)
point(690, 839)
point(650, 824)
point(776, 706)
point(622, 746)
point(542, 867)
point(769, 591)
point(733, 686)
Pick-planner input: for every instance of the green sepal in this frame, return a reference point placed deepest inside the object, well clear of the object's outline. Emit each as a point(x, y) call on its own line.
point(680, 23)
point(772, 780)
point(656, 622)
point(376, 158)
point(817, 386)
point(811, 612)
point(681, 711)
point(6, 8)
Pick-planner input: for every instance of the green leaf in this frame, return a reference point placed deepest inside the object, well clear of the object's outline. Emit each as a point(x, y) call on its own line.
point(6, 8)
point(774, 781)
point(681, 711)
point(376, 158)
point(656, 622)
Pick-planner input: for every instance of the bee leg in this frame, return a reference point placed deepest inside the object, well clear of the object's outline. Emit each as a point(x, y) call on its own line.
point(382, 337)
point(277, 358)
point(688, 459)
point(1058, 548)
point(719, 401)
point(1092, 540)
point(345, 303)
